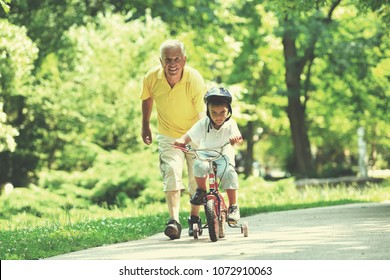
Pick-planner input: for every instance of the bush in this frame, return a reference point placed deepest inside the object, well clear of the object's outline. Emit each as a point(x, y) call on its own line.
point(113, 178)
point(120, 174)
point(56, 179)
point(75, 156)
point(114, 184)
point(36, 202)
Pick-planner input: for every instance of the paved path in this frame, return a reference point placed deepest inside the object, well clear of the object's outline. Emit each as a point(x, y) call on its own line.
point(349, 232)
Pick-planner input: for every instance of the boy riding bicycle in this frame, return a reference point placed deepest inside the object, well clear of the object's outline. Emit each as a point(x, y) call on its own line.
point(210, 132)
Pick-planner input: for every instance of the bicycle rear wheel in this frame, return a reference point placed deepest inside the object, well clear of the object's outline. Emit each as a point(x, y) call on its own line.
point(212, 220)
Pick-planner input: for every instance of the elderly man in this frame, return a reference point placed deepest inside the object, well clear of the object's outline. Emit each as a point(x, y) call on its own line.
point(177, 90)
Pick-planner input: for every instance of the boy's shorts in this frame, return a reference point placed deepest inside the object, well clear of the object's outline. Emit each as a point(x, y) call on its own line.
point(172, 163)
point(225, 172)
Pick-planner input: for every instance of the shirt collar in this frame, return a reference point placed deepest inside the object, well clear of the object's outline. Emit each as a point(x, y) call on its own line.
point(210, 126)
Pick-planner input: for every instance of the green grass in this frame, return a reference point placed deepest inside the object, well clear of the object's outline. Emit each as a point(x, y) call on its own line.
point(54, 239)
point(37, 224)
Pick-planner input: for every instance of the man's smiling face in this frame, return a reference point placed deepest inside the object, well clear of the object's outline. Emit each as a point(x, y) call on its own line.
point(173, 62)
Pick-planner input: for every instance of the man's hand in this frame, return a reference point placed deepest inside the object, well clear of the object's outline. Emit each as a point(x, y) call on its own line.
point(147, 135)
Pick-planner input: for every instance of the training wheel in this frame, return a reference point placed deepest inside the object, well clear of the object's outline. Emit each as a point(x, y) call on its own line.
point(196, 231)
point(244, 228)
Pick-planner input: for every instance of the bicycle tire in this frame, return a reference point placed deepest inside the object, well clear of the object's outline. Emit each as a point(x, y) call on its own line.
point(212, 220)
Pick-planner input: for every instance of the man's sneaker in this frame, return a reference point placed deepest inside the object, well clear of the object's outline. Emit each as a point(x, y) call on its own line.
point(194, 220)
point(233, 214)
point(173, 229)
point(197, 198)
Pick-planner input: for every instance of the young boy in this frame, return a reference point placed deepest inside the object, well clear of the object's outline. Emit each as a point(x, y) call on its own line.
point(214, 131)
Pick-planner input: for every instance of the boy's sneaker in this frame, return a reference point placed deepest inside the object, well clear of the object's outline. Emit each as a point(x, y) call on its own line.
point(173, 229)
point(233, 214)
point(194, 220)
point(197, 198)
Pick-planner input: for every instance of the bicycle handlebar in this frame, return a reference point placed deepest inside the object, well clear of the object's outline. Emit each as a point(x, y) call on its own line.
point(195, 151)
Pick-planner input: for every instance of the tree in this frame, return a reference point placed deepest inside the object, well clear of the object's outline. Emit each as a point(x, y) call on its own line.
point(350, 93)
point(17, 55)
point(46, 20)
point(7, 132)
point(256, 70)
point(302, 25)
point(82, 76)
point(89, 90)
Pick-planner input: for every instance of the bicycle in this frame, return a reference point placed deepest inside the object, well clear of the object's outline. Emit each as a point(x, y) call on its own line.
point(213, 202)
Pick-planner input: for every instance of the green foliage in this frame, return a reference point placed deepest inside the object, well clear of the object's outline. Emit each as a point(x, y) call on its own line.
point(48, 20)
point(93, 54)
point(41, 242)
point(7, 133)
point(75, 156)
point(340, 85)
point(113, 179)
point(120, 176)
point(17, 56)
point(346, 93)
point(89, 90)
point(5, 6)
point(57, 180)
point(107, 61)
point(31, 205)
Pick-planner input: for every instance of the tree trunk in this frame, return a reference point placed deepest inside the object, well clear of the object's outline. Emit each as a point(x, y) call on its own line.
point(296, 110)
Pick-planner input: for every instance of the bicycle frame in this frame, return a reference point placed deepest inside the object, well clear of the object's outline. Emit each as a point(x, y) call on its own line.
point(214, 203)
point(216, 227)
point(213, 192)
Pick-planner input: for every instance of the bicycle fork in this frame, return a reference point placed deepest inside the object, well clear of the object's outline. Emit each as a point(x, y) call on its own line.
point(214, 190)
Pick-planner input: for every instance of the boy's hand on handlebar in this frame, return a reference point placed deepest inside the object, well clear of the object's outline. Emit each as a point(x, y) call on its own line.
point(182, 142)
point(235, 140)
point(179, 143)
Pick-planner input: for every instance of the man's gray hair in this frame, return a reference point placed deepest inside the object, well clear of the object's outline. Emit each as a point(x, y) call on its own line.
point(172, 43)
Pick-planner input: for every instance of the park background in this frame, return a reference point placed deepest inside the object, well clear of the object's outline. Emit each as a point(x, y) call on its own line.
point(310, 81)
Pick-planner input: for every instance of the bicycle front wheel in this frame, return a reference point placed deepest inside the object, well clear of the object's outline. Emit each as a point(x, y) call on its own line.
point(212, 220)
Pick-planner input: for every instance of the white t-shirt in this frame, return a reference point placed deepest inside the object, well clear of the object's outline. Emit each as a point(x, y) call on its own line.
point(206, 136)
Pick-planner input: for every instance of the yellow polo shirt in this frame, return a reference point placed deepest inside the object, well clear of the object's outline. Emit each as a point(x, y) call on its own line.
point(178, 108)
